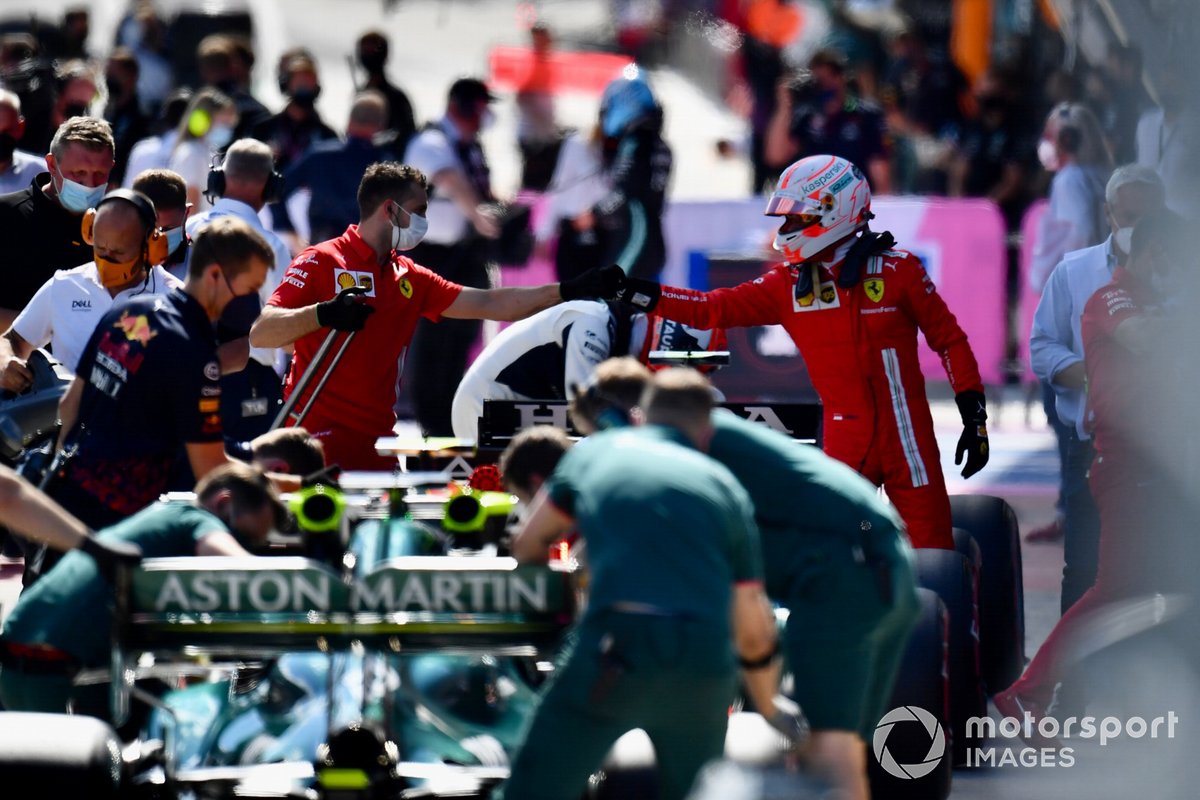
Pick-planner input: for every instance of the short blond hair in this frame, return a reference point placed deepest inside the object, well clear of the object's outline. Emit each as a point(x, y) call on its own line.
point(679, 397)
point(91, 132)
point(617, 382)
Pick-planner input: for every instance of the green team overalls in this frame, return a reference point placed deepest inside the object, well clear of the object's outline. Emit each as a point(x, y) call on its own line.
point(837, 558)
point(669, 532)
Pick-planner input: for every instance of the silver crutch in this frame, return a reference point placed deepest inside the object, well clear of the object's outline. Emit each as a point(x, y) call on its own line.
point(288, 416)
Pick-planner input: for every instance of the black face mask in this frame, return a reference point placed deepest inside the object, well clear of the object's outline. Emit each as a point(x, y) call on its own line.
point(306, 98)
point(7, 145)
point(74, 110)
point(116, 89)
point(372, 62)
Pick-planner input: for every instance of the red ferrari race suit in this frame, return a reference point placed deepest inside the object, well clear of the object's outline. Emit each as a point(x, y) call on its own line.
point(860, 347)
point(355, 406)
point(1124, 478)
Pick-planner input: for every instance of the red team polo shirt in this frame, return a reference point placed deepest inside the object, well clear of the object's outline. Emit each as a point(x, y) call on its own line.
point(361, 394)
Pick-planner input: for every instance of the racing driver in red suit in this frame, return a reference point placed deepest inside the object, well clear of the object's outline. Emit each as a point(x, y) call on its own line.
point(853, 306)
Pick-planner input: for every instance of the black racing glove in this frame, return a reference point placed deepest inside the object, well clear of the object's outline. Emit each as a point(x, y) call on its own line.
point(345, 312)
point(789, 720)
point(603, 283)
point(641, 294)
point(972, 407)
point(111, 555)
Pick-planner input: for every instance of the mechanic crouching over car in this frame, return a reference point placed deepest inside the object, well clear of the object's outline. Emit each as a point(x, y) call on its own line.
point(834, 554)
point(63, 623)
point(672, 548)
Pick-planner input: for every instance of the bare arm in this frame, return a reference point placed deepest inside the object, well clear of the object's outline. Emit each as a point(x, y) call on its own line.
point(544, 523)
point(754, 633)
point(7, 315)
point(68, 409)
point(219, 543)
point(279, 327)
point(14, 373)
point(512, 303)
point(778, 145)
point(1071, 377)
point(454, 184)
point(234, 355)
point(35, 516)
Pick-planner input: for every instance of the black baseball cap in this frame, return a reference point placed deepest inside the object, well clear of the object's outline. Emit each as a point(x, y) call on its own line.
point(467, 91)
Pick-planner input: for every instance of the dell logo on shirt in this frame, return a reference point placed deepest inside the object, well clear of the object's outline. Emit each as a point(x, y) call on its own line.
point(84, 305)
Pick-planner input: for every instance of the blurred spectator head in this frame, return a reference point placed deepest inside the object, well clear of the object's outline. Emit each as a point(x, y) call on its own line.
point(1134, 191)
point(80, 160)
point(12, 124)
point(298, 79)
point(828, 67)
point(241, 60)
point(1072, 134)
point(993, 98)
point(627, 102)
point(467, 104)
point(168, 191)
point(1124, 63)
point(388, 180)
point(76, 89)
point(172, 109)
point(249, 165)
point(121, 76)
point(368, 115)
point(15, 48)
point(214, 61)
point(541, 39)
point(151, 31)
point(76, 26)
point(372, 52)
point(211, 116)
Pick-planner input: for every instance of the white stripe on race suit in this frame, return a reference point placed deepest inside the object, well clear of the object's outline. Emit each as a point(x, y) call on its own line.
point(637, 236)
point(908, 436)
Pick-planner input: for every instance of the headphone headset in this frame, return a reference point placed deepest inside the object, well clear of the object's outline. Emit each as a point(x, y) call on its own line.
point(154, 245)
point(272, 189)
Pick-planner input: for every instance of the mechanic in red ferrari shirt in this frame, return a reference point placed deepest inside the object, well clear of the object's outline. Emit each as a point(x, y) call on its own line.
point(341, 282)
point(853, 306)
point(1125, 342)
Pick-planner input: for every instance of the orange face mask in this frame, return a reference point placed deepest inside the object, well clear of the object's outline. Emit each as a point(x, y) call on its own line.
point(117, 273)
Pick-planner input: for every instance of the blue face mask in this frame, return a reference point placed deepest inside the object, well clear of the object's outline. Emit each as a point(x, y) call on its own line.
point(219, 137)
point(174, 238)
point(77, 198)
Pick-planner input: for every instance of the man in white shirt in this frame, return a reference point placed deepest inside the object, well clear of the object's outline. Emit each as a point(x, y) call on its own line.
point(1056, 351)
point(244, 183)
point(458, 245)
point(64, 312)
point(17, 167)
point(154, 152)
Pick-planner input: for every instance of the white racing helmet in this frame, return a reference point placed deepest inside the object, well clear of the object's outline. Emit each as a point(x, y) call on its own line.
point(832, 198)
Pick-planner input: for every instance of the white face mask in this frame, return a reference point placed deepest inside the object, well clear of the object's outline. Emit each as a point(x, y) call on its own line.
point(1123, 239)
point(410, 237)
point(1048, 155)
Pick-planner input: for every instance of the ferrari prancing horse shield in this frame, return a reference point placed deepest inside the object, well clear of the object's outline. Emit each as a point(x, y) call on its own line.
point(874, 289)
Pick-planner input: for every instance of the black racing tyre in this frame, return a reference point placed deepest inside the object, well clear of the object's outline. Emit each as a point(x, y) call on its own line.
point(993, 525)
point(629, 771)
point(922, 684)
point(953, 577)
point(56, 755)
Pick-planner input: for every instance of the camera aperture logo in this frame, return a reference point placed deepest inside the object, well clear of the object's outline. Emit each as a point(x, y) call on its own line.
point(915, 719)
